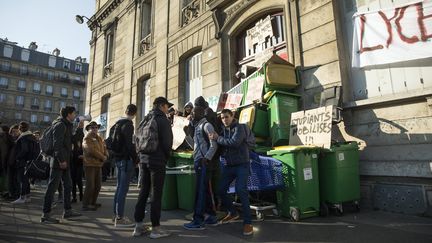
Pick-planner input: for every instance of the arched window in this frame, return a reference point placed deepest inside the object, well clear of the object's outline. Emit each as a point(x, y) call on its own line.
point(193, 77)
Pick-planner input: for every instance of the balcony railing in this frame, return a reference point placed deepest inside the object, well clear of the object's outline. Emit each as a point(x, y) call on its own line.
point(43, 76)
point(145, 44)
point(192, 11)
point(34, 107)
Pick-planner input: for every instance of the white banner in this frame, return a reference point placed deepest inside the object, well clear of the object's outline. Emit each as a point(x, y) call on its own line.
point(393, 35)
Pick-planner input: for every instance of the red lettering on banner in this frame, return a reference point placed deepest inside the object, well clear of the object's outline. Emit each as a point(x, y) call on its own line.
point(362, 29)
point(409, 40)
point(399, 14)
point(387, 22)
point(421, 18)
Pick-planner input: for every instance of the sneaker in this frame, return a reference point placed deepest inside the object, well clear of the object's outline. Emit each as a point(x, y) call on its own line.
point(46, 219)
point(140, 229)
point(211, 221)
point(193, 225)
point(247, 229)
point(123, 223)
point(20, 200)
point(229, 218)
point(70, 214)
point(157, 232)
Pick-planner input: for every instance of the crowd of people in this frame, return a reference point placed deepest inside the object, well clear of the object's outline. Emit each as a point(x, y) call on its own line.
point(220, 154)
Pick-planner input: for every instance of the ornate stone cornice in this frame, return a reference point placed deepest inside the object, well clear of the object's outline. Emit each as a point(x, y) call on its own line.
point(103, 13)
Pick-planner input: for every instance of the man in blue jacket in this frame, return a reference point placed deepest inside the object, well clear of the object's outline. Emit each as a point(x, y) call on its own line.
point(204, 151)
point(235, 166)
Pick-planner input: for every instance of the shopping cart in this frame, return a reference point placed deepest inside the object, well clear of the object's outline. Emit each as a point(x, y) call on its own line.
point(265, 176)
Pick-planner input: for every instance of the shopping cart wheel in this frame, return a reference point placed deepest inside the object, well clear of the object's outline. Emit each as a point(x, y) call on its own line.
point(295, 214)
point(259, 216)
point(357, 206)
point(324, 210)
point(338, 209)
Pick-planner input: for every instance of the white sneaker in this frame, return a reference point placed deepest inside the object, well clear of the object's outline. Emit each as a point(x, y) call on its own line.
point(157, 232)
point(20, 200)
point(123, 223)
point(140, 229)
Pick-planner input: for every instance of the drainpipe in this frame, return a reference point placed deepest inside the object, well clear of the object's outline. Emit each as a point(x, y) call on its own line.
point(133, 52)
point(166, 59)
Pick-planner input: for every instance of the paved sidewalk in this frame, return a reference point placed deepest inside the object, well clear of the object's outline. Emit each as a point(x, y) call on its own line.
point(20, 223)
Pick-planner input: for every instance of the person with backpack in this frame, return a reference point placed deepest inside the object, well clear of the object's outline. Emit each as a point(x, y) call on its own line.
point(204, 151)
point(120, 143)
point(154, 140)
point(236, 166)
point(56, 143)
point(26, 149)
point(95, 154)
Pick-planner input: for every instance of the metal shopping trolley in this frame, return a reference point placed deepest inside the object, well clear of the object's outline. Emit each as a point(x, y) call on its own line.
point(265, 176)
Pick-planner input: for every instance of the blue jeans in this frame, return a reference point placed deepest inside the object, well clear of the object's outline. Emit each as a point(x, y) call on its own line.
point(203, 195)
point(239, 173)
point(124, 173)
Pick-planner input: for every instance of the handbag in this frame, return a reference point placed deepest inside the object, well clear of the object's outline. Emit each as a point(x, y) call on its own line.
point(38, 168)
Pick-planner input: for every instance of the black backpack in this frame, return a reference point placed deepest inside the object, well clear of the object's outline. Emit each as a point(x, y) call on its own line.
point(115, 142)
point(147, 136)
point(46, 141)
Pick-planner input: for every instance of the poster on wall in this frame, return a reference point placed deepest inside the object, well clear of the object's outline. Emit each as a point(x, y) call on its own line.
point(312, 127)
point(178, 131)
point(393, 35)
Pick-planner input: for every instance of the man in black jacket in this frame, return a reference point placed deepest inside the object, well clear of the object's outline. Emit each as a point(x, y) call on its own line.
point(26, 149)
point(125, 161)
point(60, 165)
point(152, 166)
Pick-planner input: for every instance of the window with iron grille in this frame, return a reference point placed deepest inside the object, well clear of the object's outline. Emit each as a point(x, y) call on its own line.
point(36, 87)
point(21, 85)
point(66, 64)
point(2, 98)
point(48, 105)
point(35, 104)
point(76, 93)
point(49, 90)
point(33, 118)
point(64, 92)
point(4, 82)
point(19, 101)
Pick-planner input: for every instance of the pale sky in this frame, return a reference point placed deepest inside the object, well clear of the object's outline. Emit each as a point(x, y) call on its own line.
point(50, 23)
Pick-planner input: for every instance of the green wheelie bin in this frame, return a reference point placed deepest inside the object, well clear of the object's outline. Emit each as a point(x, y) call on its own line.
point(300, 197)
point(281, 105)
point(339, 177)
point(169, 194)
point(185, 180)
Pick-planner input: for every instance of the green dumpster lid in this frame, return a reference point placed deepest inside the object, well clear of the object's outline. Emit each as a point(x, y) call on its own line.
point(342, 146)
point(284, 93)
point(290, 149)
point(185, 155)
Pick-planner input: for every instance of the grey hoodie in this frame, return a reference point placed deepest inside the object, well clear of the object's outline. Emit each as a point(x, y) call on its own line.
point(201, 147)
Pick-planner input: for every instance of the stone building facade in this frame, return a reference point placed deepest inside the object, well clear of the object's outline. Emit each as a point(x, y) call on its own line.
point(35, 85)
point(181, 49)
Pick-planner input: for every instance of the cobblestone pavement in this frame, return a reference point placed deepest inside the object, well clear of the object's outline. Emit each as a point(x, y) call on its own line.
point(20, 223)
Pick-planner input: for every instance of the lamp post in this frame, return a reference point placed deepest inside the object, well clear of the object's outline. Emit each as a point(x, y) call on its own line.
point(80, 20)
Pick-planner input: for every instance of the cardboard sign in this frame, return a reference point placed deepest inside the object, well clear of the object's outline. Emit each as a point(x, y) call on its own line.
point(312, 127)
point(255, 87)
point(102, 119)
point(178, 133)
point(233, 101)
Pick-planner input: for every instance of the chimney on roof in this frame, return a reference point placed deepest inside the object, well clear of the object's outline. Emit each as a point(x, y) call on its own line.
point(78, 59)
point(84, 60)
point(33, 46)
point(56, 52)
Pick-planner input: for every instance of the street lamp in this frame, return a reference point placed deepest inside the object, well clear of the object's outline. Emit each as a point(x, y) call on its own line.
point(80, 19)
